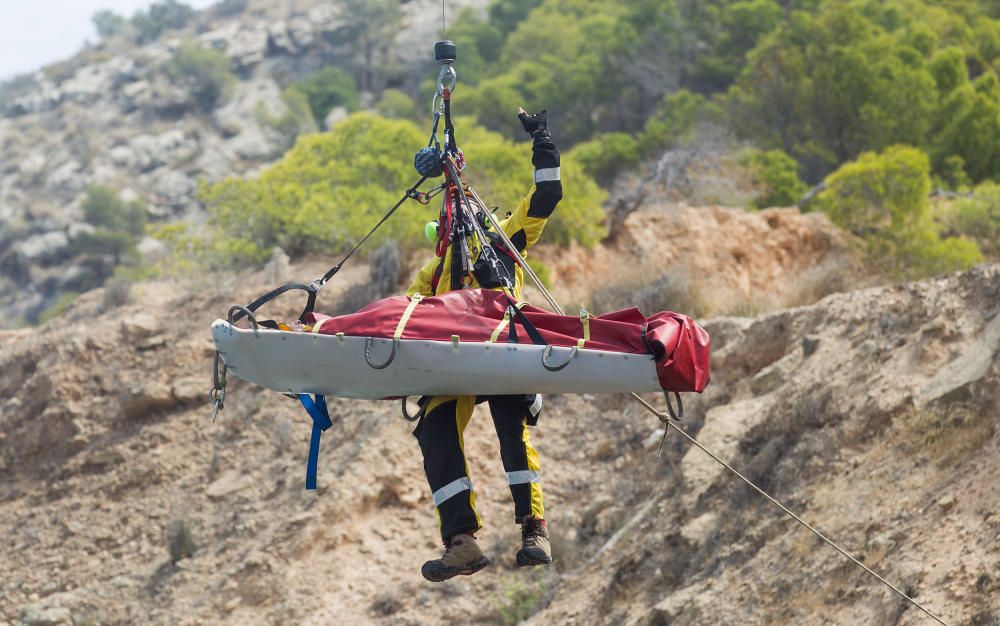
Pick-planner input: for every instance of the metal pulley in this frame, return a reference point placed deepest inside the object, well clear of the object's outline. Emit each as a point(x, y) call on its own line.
point(445, 54)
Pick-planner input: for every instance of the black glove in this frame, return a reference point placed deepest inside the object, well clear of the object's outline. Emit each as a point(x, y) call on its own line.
point(534, 124)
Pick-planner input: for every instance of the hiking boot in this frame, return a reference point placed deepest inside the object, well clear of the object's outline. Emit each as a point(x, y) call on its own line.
point(461, 556)
point(535, 546)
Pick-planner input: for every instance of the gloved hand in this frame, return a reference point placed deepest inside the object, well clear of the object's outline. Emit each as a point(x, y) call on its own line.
point(534, 124)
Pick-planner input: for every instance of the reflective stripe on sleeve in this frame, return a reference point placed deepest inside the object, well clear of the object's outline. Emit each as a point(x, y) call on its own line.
point(452, 489)
point(536, 406)
point(547, 174)
point(523, 477)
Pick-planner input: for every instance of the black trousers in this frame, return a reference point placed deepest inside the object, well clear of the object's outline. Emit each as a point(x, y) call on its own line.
point(440, 434)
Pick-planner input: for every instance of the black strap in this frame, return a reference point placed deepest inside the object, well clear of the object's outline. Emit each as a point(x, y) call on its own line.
point(533, 334)
point(410, 193)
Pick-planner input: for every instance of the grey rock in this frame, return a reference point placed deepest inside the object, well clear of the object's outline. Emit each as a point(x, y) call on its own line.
point(152, 250)
point(173, 189)
point(33, 166)
point(145, 397)
point(140, 326)
point(43, 247)
point(300, 31)
point(279, 40)
point(247, 48)
point(79, 229)
point(334, 117)
point(145, 153)
point(66, 181)
point(40, 615)
point(278, 268)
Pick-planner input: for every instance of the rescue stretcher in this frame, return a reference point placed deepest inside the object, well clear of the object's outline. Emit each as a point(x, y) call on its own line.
point(469, 342)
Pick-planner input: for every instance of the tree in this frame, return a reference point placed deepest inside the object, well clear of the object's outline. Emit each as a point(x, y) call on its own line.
point(108, 23)
point(331, 187)
point(159, 18)
point(202, 70)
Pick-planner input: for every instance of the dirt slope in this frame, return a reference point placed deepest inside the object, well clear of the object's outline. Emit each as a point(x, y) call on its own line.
point(872, 412)
point(737, 260)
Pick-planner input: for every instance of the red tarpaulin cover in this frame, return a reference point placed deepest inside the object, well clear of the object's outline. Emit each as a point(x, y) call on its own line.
point(680, 345)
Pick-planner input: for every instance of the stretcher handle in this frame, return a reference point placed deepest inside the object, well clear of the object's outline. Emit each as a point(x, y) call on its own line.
point(369, 341)
point(555, 368)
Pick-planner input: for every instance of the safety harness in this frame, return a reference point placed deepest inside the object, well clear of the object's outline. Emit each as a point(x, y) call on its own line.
point(459, 221)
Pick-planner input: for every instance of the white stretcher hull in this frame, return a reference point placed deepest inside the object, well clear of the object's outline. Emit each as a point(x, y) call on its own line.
point(294, 362)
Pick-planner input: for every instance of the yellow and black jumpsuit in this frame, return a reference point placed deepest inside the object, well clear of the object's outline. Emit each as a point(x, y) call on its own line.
point(445, 417)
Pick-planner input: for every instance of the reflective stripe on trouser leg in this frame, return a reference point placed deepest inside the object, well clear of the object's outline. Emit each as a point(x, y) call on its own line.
point(441, 442)
point(520, 459)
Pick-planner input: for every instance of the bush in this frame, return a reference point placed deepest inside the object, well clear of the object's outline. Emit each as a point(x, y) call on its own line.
point(329, 190)
point(883, 198)
point(328, 88)
point(978, 217)
point(109, 24)
point(294, 121)
point(607, 155)
point(104, 209)
point(395, 104)
point(204, 71)
point(776, 175)
point(673, 121)
point(159, 18)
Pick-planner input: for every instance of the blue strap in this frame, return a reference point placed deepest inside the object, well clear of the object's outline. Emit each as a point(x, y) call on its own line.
point(320, 415)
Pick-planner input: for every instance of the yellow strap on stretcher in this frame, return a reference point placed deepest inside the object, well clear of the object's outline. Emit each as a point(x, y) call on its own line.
point(585, 321)
point(414, 301)
point(503, 323)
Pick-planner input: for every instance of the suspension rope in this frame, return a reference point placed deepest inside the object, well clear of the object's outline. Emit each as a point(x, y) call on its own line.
point(444, 25)
point(667, 420)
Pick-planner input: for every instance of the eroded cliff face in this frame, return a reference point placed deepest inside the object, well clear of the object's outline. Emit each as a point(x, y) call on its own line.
point(872, 413)
point(113, 116)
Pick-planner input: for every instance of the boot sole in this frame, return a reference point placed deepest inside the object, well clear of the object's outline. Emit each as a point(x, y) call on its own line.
point(526, 560)
point(438, 575)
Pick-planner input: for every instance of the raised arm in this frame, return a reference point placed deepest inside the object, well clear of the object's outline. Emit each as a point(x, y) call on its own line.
point(525, 224)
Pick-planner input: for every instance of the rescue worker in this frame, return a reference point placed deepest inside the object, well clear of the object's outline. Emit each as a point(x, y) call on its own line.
point(439, 431)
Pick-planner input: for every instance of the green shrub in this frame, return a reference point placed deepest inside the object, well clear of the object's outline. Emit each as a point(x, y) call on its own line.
point(776, 175)
point(978, 217)
point(103, 208)
point(294, 121)
point(159, 18)
point(395, 104)
point(607, 155)
point(204, 71)
point(328, 88)
point(329, 190)
point(673, 121)
point(883, 198)
point(108, 23)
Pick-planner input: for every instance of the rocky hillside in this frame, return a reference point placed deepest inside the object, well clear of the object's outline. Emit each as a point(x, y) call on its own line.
point(113, 115)
point(873, 413)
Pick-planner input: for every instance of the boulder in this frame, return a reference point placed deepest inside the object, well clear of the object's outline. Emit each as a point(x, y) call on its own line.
point(67, 181)
point(334, 117)
point(173, 189)
point(146, 397)
point(43, 247)
point(300, 31)
point(41, 615)
point(140, 326)
point(278, 39)
point(247, 48)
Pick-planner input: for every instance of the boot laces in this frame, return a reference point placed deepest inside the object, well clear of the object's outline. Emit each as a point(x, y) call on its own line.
point(531, 530)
